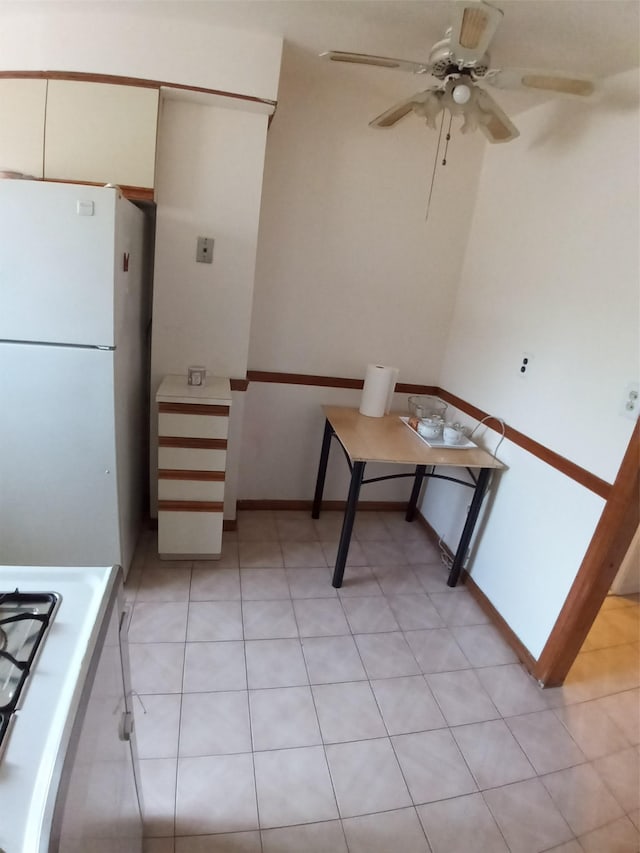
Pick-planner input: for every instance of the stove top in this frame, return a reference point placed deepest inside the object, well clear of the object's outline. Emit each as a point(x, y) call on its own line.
point(39, 736)
point(24, 620)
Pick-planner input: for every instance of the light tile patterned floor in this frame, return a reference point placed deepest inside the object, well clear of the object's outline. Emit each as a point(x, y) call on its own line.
point(278, 715)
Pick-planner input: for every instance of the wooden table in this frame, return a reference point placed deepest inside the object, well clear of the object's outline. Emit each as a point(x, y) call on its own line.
point(389, 440)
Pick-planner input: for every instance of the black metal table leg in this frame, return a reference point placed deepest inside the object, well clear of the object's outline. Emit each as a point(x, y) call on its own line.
point(322, 469)
point(415, 492)
point(357, 473)
point(469, 525)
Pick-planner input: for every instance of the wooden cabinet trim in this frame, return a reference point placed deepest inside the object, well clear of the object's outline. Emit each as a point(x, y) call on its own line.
point(190, 506)
point(140, 82)
point(202, 476)
point(131, 193)
point(197, 443)
point(192, 409)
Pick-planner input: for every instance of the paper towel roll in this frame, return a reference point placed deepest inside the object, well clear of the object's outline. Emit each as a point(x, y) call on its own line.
point(379, 382)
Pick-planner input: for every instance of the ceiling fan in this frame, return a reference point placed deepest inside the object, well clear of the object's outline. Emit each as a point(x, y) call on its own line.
point(459, 63)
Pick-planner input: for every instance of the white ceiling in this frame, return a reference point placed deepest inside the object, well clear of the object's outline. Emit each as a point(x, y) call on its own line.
point(598, 37)
point(593, 37)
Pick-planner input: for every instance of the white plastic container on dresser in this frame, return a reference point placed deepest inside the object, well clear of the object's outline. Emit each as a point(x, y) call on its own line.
point(193, 424)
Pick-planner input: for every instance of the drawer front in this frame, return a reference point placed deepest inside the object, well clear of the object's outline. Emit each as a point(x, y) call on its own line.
point(190, 490)
point(189, 534)
point(193, 426)
point(192, 459)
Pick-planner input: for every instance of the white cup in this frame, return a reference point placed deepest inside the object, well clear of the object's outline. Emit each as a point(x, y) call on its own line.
point(453, 434)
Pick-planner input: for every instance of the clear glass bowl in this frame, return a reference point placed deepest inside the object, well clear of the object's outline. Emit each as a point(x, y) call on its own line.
point(426, 407)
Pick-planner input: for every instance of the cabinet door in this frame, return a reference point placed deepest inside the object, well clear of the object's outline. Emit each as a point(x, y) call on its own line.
point(22, 107)
point(101, 133)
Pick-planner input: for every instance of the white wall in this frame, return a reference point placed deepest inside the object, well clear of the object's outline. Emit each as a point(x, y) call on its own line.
point(348, 270)
point(282, 435)
point(123, 39)
point(551, 268)
point(208, 183)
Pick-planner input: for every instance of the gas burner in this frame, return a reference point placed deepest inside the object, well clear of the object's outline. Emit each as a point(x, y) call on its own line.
point(24, 620)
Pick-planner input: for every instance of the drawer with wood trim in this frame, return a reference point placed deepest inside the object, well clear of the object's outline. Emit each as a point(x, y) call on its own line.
point(177, 485)
point(193, 425)
point(189, 533)
point(173, 454)
point(203, 422)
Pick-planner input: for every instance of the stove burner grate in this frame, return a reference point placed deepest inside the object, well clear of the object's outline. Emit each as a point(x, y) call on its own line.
point(24, 620)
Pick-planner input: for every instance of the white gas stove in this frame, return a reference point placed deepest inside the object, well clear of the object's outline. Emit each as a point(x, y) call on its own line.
point(74, 614)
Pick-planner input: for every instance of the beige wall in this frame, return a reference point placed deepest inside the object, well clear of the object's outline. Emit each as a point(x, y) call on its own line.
point(348, 271)
point(208, 183)
point(551, 268)
point(117, 38)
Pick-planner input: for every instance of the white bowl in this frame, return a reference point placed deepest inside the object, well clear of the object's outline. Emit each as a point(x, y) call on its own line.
point(430, 428)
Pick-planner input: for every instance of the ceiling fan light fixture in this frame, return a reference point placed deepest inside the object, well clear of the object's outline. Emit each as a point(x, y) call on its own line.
point(428, 107)
point(461, 94)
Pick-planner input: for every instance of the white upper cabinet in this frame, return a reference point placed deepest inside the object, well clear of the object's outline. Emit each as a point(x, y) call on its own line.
point(22, 109)
point(100, 133)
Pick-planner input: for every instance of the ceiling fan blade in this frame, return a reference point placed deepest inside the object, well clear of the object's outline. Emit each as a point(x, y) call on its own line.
point(473, 26)
point(393, 115)
point(492, 120)
point(379, 61)
point(426, 104)
point(521, 78)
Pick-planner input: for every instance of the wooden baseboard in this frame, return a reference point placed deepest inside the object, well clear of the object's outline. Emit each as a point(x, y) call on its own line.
point(524, 655)
point(512, 639)
point(228, 524)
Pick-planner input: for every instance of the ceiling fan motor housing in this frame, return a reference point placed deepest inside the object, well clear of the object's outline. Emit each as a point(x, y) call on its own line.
point(442, 62)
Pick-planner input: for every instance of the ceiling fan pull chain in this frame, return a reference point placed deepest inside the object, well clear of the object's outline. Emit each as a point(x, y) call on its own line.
point(447, 138)
point(435, 164)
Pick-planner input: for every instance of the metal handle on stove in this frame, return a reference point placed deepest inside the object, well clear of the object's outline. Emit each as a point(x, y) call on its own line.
point(125, 728)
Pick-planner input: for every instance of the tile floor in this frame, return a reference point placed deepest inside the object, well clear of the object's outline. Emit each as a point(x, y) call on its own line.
point(278, 715)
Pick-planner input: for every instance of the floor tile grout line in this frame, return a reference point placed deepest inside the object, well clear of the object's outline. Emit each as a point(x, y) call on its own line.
point(553, 709)
point(253, 750)
point(386, 728)
point(182, 693)
point(324, 751)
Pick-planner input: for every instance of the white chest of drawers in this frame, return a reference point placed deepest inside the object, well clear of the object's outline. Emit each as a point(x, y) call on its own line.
point(193, 425)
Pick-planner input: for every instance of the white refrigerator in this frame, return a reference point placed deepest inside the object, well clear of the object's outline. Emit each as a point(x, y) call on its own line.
point(73, 331)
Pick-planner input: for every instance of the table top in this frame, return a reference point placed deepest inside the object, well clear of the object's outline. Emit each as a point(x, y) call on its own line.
point(388, 439)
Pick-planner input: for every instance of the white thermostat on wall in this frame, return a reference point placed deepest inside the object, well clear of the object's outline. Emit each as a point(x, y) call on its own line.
point(84, 208)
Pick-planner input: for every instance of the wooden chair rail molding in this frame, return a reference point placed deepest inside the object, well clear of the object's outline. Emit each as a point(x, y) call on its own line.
point(565, 466)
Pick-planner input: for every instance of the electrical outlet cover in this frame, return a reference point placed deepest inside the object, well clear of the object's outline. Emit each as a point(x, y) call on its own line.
point(524, 367)
point(630, 407)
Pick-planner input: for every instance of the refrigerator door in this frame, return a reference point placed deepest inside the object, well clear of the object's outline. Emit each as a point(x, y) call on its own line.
point(58, 490)
point(57, 263)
